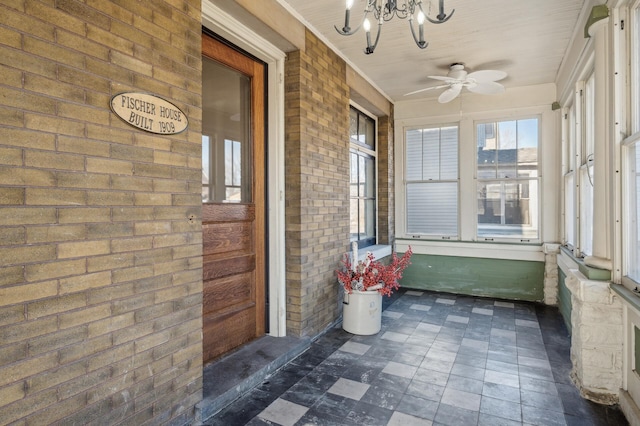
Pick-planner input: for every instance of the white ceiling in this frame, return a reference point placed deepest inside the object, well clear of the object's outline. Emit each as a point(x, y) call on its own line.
point(525, 38)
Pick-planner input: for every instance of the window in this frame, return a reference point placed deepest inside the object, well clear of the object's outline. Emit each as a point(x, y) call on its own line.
point(226, 137)
point(222, 182)
point(362, 178)
point(569, 169)
point(635, 68)
point(508, 179)
point(432, 181)
point(232, 169)
point(578, 161)
point(631, 156)
point(633, 213)
point(586, 170)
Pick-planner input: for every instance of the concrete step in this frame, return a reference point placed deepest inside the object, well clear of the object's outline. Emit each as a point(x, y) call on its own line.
point(235, 374)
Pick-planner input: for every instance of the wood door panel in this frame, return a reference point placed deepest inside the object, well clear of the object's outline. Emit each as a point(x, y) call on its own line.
point(219, 295)
point(218, 213)
point(221, 334)
point(216, 267)
point(225, 237)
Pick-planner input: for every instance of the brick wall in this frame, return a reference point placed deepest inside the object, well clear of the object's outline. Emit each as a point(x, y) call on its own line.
point(386, 200)
point(317, 188)
point(100, 243)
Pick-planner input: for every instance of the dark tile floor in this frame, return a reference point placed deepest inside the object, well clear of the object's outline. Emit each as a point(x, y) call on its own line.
point(440, 359)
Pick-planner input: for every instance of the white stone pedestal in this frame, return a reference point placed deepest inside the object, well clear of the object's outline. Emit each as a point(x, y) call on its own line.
point(596, 340)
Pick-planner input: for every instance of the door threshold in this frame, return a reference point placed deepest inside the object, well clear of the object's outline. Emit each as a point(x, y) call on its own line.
point(231, 376)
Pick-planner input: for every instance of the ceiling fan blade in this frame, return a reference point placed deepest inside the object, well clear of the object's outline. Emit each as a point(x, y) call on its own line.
point(488, 88)
point(443, 78)
point(450, 94)
point(425, 89)
point(486, 76)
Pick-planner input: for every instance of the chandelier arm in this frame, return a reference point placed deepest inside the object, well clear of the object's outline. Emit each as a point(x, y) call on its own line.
point(370, 48)
point(420, 39)
point(442, 17)
point(372, 6)
point(346, 30)
point(400, 13)
point(385, 10)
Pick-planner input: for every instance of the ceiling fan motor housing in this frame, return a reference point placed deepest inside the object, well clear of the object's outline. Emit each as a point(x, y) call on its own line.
point(457, 71)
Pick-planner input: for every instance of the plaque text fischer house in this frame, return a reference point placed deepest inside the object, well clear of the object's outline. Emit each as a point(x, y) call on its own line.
point(150, 113)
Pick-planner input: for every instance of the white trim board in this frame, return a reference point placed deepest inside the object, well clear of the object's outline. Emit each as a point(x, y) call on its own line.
point(225, 25)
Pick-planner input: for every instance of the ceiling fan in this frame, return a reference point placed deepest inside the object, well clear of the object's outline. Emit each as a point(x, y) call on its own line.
point(483, 82)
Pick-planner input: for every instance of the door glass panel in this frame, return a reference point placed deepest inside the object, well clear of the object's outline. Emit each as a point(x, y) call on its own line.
point(226, 149)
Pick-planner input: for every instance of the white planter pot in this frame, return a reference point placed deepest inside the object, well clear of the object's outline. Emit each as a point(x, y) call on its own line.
point(362, 312)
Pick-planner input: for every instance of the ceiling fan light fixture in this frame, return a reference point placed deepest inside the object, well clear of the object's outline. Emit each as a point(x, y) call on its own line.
point(385, 10)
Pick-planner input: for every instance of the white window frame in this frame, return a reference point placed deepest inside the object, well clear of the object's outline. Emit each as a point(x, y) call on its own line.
point(629, 149)
point(356, 147)
point(467, 244)
point(570, 134)
point(585, 152)
point(406, 181)
point(579, 140)
point(516, 239)
point(634, 51)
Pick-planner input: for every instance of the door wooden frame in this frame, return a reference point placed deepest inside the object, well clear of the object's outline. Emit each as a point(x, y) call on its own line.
point(255, 210)
point(217, 20)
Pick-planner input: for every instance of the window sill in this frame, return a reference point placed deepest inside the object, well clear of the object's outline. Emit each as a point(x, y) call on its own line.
point(631, 297)
point(516, 251)
point(589, 272)
point(379, 251)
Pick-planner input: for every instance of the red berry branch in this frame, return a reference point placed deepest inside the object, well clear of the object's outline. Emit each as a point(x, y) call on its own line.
point(372, 275)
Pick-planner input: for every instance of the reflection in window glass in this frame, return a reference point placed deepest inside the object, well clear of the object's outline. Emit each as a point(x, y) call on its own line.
point(362, 132)
point(362, 129)
point(631, 234)
point(362, 198)
point(586, 210)
point(206, 170)
point(632, 242)
point(585, 173)
point(589, 114)
point(569, 170)
point(507, 171)
point(226, 141)
point(353, 124)
point(635, 69)
point(569, 209)
point(633, 245)
point(233, 170)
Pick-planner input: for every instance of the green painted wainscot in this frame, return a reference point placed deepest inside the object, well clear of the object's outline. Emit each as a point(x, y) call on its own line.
point(564, 299)
point(498, 278)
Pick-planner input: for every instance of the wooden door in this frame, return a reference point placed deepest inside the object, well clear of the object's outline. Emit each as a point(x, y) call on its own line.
point(233, 194)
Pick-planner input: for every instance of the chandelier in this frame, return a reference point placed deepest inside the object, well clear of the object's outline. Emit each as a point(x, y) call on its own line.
point(385, 10)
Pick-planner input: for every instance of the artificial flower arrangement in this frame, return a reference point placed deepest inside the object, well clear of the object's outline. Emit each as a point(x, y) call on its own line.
point(372, 275)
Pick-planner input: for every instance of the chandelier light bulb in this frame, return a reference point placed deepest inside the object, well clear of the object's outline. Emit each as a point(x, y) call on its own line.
point(366, 25)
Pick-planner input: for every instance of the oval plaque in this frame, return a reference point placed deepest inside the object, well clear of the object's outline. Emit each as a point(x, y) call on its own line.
point(149, 113)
